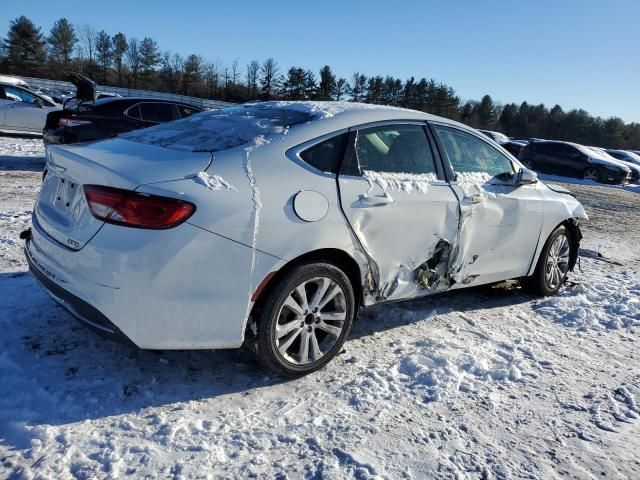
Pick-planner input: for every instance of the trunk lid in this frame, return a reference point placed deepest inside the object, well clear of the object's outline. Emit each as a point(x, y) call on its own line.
point(85, 87)
point(62, 210)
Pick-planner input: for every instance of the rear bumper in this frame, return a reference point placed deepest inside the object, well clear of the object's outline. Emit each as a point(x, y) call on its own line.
point(81, 310)
point(177, 289)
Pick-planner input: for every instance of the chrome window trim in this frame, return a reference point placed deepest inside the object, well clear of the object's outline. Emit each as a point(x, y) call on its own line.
point(293, 153)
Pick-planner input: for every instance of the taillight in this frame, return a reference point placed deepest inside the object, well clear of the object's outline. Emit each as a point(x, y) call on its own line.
point(72, 122)
point(133, 209)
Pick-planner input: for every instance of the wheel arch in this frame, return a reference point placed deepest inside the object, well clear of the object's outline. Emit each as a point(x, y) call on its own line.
point(334, 256)
point(575, 236)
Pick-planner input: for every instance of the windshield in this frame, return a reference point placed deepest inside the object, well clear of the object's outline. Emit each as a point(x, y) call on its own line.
point(223, 129)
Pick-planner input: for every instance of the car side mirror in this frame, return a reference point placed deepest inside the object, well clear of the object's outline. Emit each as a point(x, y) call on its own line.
point(526, 177)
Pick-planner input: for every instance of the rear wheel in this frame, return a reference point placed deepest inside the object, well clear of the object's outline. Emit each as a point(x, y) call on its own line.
point(591, 173)
point(553, 264)
point(305, 320)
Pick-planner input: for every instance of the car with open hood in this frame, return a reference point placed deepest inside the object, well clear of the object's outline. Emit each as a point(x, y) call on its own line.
point(93, 116)
point(272, 224)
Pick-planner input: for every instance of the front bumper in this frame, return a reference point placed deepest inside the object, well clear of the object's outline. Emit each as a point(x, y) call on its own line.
point(81, 310)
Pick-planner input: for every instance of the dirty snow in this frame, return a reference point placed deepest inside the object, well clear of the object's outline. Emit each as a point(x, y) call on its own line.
point(400, 182)
point(213, 182)
point(482, 383)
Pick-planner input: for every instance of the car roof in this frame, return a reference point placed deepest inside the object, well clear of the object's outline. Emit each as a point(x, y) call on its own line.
point(132, 100)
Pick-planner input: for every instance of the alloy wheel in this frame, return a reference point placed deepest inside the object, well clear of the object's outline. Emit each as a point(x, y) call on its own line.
point(557, 263)
point(591, 174)
point(310, 321)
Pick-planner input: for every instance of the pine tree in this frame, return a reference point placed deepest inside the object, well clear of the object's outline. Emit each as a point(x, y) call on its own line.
point(310, 85)
point(104, 53)
point(487, 113)
point(149, 59)
point(119, 42)
point(328, 85)
point(358, 87)
point(192, 74)
point(268, 78)
point(62, 40)
point(293, 87)
point(25, 47)
point(342, 87)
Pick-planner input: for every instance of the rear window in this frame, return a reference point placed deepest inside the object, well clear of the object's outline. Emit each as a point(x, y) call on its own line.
point(326, 155)
point(218, 130)
point(158, 112)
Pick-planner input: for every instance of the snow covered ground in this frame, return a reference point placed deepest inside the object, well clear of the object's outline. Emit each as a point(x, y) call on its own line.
point(483, 383)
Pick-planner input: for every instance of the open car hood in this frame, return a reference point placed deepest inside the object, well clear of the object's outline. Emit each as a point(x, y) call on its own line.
point(85, 87)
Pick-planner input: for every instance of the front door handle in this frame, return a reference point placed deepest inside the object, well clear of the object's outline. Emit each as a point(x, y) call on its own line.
point(375, 200)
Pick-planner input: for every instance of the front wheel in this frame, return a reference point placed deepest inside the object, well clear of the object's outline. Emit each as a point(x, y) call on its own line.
point(305, 320)
point(553, 265)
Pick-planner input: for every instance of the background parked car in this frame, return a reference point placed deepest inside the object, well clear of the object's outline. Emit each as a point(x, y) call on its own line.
point(495, 136)
point(624, 155)
point(111, 116)
point(23, 110)
point(635, 168)
point(571, 159)
point(514, 147)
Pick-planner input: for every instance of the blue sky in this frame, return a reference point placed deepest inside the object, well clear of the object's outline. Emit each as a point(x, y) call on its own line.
point(574, 53)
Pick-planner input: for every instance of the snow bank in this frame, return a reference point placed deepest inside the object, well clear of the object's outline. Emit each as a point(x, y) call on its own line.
point(213, 182)
point(599, 305)
point(401, 182)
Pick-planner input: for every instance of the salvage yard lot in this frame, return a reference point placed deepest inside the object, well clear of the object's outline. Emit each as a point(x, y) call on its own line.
point(488, 382)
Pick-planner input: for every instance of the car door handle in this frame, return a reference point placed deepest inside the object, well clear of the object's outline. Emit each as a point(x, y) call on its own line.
point(475, 198)
point(375, 200)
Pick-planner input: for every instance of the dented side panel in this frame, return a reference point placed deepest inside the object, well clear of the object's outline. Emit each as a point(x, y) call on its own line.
point(406, 234)
point(499, 231)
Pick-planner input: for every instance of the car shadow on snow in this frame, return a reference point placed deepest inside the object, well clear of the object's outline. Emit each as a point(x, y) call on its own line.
point(55, 371)
point(389, 316)
point(10, 163)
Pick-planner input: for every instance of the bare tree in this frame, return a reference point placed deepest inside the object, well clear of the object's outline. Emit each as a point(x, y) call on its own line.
point(235, 72)
point(132, 56)
point(269, 78)
point(252, 79)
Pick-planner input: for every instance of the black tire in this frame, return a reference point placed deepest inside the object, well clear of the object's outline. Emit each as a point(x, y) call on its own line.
point(264, 345)
point(538, 283)
point(592, 173)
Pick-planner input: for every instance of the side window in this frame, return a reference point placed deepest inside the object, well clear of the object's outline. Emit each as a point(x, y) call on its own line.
point(326, 155)
point(395, 149)
point(133, 112)
point(186, 111)
point(467, 153)
point(158, 112)
point(19, 95)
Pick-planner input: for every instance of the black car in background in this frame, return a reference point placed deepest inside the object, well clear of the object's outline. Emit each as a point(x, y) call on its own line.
point(93, 115)
point(572, 160)
point(110, 116)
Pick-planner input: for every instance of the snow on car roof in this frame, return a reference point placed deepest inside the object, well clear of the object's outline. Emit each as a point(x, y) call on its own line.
point(248, 124)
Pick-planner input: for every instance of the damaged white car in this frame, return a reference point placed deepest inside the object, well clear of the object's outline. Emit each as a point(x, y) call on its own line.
point(271, 224)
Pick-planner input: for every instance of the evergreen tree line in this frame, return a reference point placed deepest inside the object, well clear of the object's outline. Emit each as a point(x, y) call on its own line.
point(117, 60)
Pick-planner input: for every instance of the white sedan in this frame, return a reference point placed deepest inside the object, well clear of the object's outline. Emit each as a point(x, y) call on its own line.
point(271, 224)
point(22, 110)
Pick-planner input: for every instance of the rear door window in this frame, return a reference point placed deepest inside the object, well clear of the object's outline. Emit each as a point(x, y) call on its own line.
point(158, 112)
point(395, 149)
point(133, 112)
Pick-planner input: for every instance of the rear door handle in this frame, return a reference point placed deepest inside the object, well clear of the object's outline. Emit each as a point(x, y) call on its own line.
point(375, 200)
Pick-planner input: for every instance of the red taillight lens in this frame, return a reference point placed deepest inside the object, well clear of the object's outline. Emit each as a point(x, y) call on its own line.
point(132, 209)
point(72, 122)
